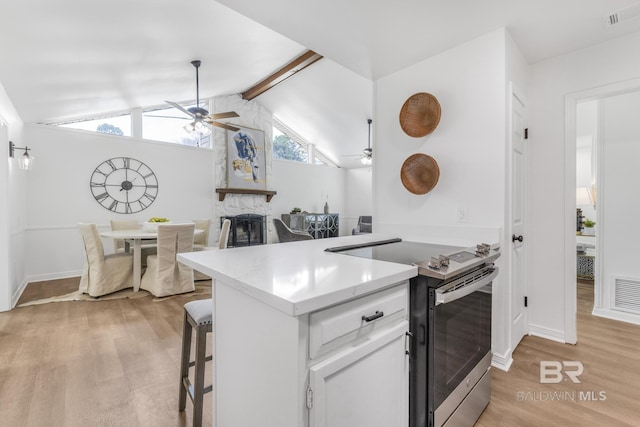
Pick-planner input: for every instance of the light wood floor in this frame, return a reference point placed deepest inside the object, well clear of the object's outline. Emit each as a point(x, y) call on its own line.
point(610, 353)
point(115, 363)
point(85, 364)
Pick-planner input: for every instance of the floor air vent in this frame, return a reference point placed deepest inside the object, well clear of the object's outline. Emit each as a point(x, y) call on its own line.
point(626, 294)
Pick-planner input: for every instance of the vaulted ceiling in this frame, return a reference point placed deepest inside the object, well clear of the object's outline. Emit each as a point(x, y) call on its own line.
point(70, 58)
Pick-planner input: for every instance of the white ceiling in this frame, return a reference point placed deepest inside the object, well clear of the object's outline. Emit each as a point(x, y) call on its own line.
point(70, 58)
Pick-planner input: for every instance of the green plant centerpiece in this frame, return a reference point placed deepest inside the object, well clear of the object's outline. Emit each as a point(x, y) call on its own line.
point(296, 210)
point(152, 224)
point(589, 223)
point(158, 219)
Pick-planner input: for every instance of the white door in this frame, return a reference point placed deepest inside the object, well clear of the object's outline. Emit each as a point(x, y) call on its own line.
point(517, 238)
point(365, 385)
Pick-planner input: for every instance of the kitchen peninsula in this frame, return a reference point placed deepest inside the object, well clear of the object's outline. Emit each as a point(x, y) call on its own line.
point(304, 337)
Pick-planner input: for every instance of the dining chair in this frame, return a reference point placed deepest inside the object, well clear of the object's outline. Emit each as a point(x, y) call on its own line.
point(285, 234)
point(165, 275)
point(103, 274)
point(201, 241)
point(222, 244)
point(118, 244)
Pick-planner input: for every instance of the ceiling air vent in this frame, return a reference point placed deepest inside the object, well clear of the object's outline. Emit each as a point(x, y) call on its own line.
point(622, 15)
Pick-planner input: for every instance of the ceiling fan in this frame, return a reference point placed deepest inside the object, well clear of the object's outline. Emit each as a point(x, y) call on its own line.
point(201, 116)
point(366, 158)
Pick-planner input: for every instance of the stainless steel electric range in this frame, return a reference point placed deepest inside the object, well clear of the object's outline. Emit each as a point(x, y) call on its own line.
point(450, 326)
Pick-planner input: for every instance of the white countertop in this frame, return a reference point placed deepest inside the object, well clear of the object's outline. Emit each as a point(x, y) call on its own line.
point(299, 277)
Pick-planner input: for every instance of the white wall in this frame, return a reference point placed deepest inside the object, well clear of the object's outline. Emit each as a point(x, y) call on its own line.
point(12, 191)
point(59, 196)
point(359, 201)
point(308, 187)
point(469, 144)
point(621, 203)
point(550, 214)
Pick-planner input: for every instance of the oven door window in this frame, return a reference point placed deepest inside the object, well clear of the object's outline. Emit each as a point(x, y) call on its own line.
point(462, 338)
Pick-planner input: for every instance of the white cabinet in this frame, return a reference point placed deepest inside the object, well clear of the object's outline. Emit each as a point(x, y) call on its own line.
point(363, 385)
point(344, 365)
point(363, 380)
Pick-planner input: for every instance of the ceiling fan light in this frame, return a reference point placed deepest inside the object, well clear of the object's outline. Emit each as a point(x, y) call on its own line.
point(189, 128)
point(198, 125)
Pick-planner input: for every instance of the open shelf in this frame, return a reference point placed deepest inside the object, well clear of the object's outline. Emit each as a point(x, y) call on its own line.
point(222, 192)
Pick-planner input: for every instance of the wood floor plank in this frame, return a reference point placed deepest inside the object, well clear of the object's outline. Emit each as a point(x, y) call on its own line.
point(116, 363)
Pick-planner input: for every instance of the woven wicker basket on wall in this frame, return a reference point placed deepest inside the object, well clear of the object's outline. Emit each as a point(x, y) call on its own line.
point(419, 173)
point(420, 115)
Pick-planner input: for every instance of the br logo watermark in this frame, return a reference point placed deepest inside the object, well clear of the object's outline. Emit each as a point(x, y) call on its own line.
point(554, 372)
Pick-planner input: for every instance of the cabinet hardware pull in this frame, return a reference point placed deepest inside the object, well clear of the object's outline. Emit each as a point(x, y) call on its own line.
point(376, 315)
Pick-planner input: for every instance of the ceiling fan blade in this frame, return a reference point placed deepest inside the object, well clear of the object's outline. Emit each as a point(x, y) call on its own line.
point(224, 126)
point(227, 115)
point(168, 117)
point(181, 108)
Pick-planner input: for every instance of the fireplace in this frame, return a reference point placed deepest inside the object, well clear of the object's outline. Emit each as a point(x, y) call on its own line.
point(246, 230)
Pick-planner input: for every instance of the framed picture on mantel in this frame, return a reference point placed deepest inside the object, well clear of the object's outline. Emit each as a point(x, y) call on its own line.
point(246, 160)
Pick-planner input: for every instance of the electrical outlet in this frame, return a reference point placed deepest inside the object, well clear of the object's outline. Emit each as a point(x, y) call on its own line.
point(462, 214)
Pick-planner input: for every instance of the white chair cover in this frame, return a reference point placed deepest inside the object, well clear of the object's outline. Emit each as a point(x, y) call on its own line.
point(222, 244)
point(165, 275)
point(102, 274)
point(201, 240)
point(118, 244)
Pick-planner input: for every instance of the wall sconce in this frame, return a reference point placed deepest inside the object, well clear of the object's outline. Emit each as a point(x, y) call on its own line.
point(25, 161)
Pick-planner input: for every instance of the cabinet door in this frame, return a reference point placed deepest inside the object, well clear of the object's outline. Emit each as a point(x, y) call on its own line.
point(364, 385)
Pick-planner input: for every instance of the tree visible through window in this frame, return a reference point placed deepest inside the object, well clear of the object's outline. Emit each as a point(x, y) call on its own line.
point(110, 129)
point(288, 149)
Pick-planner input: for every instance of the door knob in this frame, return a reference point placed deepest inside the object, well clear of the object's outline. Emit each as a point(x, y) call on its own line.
point(518, 238)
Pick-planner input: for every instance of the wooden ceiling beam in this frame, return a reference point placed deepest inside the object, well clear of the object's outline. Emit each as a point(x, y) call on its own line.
point(298, 64)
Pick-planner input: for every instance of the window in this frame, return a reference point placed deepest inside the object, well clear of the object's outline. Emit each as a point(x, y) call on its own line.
point(114, 125)
point(167, 124)
point(288, 145)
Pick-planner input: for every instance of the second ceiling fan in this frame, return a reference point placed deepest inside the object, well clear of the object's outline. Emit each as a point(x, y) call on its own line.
point(200, 115)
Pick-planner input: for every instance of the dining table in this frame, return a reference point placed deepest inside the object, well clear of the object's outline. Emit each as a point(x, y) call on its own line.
point(136, 238)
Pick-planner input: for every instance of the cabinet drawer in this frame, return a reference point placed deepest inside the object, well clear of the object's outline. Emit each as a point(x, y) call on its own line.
point(354, 320)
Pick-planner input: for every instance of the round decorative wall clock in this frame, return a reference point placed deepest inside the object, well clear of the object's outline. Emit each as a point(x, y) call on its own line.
point(124, 185)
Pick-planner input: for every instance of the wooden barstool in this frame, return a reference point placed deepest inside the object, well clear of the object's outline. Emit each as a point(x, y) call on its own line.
point(198, 315)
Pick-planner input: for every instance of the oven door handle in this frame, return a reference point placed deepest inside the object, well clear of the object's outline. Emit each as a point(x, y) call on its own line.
point(443, 297)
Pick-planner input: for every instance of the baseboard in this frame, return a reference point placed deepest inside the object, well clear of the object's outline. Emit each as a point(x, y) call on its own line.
point(18, 293)
point(54, 276)
point(617, 315)
point(502, 361)
point(550, 334)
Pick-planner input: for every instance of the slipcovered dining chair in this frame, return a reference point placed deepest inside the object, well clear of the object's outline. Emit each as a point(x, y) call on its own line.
point(118, 244)
point(149, 248)
point(165, 275)
point(222, 244)
point(285, 234)
point(102, 274)
point(201, 241)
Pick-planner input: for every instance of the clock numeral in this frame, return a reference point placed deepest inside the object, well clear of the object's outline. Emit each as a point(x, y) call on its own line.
point(111, 165)
point(147, 175)
point(114, 206)
point(127, 207)
point(98, 184)
point(142, 205)
point(152, 186)
point(101, 197)
point(127, 162)
point(100, 172)
point(150, 196)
